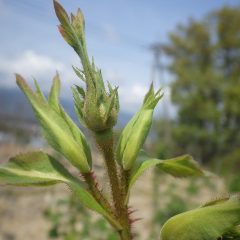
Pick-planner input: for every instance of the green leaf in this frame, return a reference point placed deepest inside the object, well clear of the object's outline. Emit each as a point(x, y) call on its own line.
point(61, 13)
point(53, 98)
point(78, 105)
point(110, 104)
point(71, 30)
point(40, 169)
point(78, 135)
point(88, 200)
point(56, 130)
point(149, 93)
point(78, 23)
point(33, 168)
point(134, 134)
point(80, 91)
point(67, 35)
point(65, 28)
point(79, 73)
point(209, 222)
point(76, 132)
point(39, 91)
point(182, 166)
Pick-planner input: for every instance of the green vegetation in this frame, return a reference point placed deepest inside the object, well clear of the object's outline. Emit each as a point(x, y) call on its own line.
point(205, 64)
point(97, 108)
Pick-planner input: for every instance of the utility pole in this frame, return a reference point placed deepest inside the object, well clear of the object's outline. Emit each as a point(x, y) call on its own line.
point(157, 67)
point(157, 77)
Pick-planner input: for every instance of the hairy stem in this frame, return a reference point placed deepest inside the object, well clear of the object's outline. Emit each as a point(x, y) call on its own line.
point(124, 235)
point(93, 187)
point(105, 143)
point(118, 186)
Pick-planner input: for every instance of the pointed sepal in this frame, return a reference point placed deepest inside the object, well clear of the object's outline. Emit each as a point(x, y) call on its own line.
point(53, 98)
point(134, 134)
point(56, 130)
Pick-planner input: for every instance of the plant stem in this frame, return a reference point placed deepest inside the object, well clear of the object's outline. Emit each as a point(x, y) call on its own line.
point(94, 189)
point(100, 198)
point(124, 235)
point(105, 143)
point(118, 188)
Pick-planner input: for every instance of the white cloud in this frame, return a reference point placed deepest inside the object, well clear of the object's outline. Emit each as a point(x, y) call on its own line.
point(131, 97)
point(30, 64)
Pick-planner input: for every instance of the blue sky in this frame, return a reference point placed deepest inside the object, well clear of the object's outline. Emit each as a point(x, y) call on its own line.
point(118, 33)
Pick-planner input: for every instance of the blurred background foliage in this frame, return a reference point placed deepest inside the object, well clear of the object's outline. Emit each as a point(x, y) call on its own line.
point(71, 221)
point(205, 60)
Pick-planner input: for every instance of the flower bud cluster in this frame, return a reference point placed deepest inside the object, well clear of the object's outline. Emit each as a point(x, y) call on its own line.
point(97, 108)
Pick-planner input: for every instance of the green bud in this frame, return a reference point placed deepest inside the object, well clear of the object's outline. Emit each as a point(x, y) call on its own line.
point(59, 130)
point(71, 29)
point(96, 107)
point(209, 222)
point(136, 131)
point(78, 23)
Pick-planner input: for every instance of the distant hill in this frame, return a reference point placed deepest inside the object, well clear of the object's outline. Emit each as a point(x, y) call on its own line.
point(13, 104)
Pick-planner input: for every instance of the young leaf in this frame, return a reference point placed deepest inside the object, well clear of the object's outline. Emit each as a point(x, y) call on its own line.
point(208, 222)
point(136, 131)
point(77, 135)
point(76, 132)
point(182, 166)
point(112, 101)
point(33, 168)
point(40, 169)
point(61, 13)
point(39, 91)
point(78, 23)
point(79, 73)
point(87, 200)
point(81, 91)
point(71, 30)
point(78, 106)
point(53, 98)
point(56, 130)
